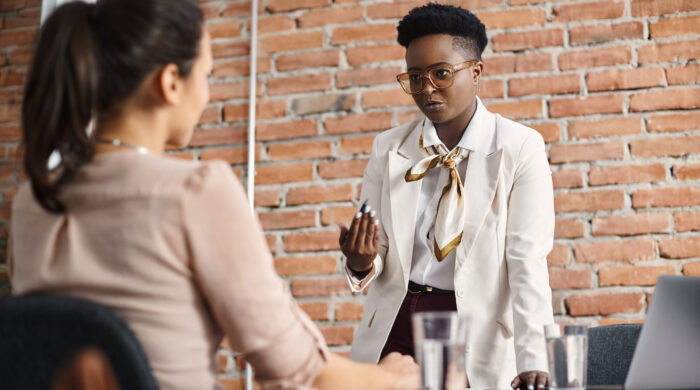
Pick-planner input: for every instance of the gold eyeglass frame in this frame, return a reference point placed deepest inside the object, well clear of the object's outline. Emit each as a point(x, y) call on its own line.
point(425, 74)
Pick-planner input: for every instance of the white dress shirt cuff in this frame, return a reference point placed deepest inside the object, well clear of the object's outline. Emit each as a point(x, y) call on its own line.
point(356, 284)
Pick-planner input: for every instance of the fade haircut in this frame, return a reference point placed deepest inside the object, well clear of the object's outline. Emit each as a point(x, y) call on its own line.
point(469, 34)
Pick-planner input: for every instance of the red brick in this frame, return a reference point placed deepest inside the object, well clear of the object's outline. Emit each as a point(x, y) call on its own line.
point(491, 89)
point(223, 362)
point(392, 10)
point(342, 169)
point(312, 241)
point(9, 113)
point(666, 197)
point(10, 134)
point(368, 76)
point(567, 179)
point(520, 109)
point(585, 35)
point(474, 4)
point(386, 98)
point(656, 147)
point(687, 221)
point(338, 335)
point(587, 11)
point(544, 85)
point(675, 26)
point(320, 194)
point(687, 74)
point(317, 311)
point(287, 220)
point(674, 122)
point(588, 305)
point(299, 151)
point(589, 201)
point(679, 248)
point(264, 110)
point(614, 251)
point(665, 100)
point(691, 269)
point(306, 60)
point(513, 41)
point(10, 77)
point(358, 123)
point(631, 225)
point(558, 256)
point(24, 18)
point(271, 242)
point(605, 127)
point(687, 171)
point(237, 68)
point(237, 155)
point(496, 20)
point(323, 103)
point(326, 16)
point(364, 33)
point(296, 84)
point(291, 41)
point(227, 29)
point(629, 275)
point(291, 5)
point(568, 228)
point(549, 131)
point(241, 9)
point(319, 287)
point(616, 321)
point(348, 311)
point(521, 62)
point(267, 198)
point(219, 136)
point(20, 57)
point(275, 23)
point(356, 145)
point(560, 279)
point(587, 152)
point(295, 129)
point(625, 79)
point(361, 55)
point(661, 7)
point(593, 58)
point(311, 265)
point(626, 174)
point(16, 37)
point(226, 91)
point(669, 52)
point(275, 174)
point(230, 49)
point(596, 104)
point(338, 215)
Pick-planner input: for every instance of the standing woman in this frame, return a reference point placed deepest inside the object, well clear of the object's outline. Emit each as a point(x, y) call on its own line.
point(459, 214)
point(170, 245)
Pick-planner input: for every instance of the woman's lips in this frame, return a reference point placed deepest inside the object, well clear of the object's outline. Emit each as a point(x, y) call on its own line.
point(434, 106)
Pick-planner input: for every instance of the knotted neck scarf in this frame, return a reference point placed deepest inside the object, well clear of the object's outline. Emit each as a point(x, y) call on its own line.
point(449, 222)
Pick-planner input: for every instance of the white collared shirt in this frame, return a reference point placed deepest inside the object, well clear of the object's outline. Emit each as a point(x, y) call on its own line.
point(425, 269)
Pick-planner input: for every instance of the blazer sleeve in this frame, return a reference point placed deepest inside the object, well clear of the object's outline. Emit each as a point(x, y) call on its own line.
point(234, 270)
point(371, 192)
point(529, 239)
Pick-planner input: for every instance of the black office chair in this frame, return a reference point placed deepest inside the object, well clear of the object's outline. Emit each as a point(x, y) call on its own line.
point(610, 350)
point(39, 333)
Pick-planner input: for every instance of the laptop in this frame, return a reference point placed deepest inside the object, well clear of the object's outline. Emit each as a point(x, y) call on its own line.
point(667, 355)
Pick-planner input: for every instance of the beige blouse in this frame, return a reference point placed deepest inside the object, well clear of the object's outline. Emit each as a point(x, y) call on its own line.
point(172, 246)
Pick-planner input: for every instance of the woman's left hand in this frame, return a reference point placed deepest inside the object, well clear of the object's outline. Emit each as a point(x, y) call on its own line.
point(530, 380)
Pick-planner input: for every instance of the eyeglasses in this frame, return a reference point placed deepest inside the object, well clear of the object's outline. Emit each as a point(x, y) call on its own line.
point(441, 76)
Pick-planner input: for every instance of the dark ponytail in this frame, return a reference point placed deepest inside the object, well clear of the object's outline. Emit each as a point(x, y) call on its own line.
point(88, 59)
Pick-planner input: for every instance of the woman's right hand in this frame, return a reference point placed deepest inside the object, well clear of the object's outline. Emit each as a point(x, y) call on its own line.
point(404, 367)
point(360, 242)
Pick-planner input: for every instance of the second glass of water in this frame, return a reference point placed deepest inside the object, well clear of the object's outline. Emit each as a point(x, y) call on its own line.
point(567, 356)
point(440, 339)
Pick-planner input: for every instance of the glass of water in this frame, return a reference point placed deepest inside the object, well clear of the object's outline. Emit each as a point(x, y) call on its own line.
point(440, 339)
point(567, 356)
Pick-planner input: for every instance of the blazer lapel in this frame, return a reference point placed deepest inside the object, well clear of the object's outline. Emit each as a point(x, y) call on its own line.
point(404, 196)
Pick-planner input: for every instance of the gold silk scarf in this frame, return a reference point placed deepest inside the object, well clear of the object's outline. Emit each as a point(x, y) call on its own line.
point(449, 222)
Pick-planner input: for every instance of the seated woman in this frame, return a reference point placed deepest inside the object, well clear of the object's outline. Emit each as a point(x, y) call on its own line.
point(170, 245)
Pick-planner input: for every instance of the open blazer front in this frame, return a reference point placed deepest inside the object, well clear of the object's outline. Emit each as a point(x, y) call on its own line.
point(501, 278)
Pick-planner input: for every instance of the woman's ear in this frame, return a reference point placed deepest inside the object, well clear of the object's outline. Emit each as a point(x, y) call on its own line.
point(169, 84)
point(476, 72)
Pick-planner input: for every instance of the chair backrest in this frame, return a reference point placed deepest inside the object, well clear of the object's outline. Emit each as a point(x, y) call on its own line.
point(38, 333)
point(610, 350)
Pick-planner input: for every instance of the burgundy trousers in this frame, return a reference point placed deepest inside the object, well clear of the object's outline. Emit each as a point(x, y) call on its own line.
point(401, 335)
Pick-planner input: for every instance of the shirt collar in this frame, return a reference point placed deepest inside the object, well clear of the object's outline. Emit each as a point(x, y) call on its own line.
point(469, 139)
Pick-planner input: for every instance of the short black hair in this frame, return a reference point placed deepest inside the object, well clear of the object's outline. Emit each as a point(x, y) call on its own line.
point(429, 19)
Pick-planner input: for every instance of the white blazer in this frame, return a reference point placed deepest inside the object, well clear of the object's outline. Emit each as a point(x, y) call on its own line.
point(501, 278)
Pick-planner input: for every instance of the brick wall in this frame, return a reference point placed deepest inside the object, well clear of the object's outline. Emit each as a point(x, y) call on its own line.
point(611, 85)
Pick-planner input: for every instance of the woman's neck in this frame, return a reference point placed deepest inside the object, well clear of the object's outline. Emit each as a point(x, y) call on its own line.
point(451, 132)
point(134, 128)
